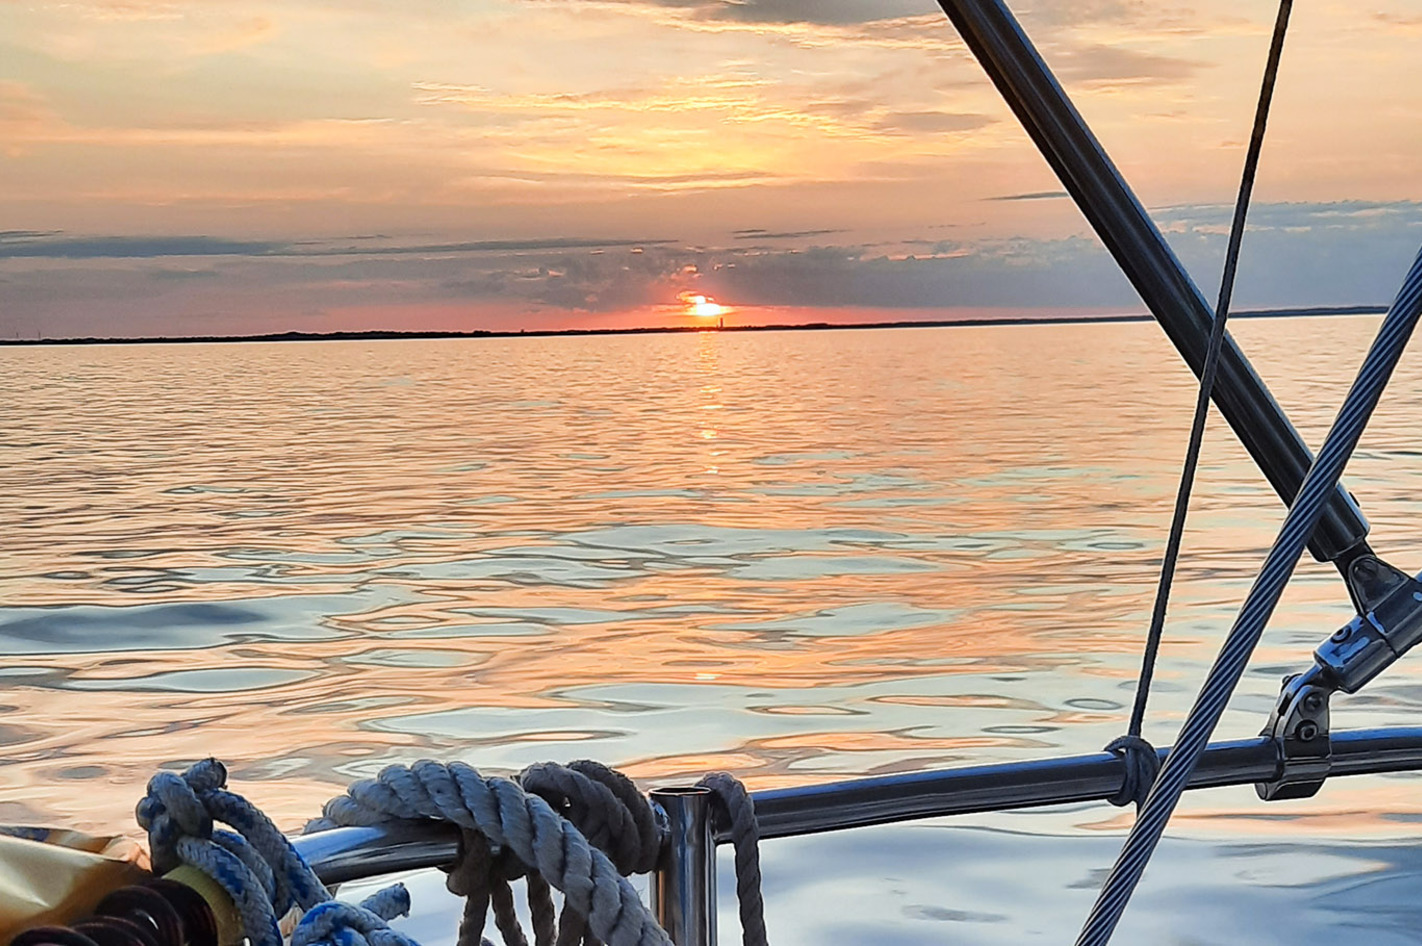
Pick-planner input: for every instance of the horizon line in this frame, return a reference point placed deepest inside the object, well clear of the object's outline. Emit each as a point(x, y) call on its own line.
point(395, 334)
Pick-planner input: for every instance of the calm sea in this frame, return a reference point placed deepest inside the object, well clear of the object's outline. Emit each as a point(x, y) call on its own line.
point(794, 556)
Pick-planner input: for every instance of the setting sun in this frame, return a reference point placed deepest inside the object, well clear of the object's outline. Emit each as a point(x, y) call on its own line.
point(701, 305)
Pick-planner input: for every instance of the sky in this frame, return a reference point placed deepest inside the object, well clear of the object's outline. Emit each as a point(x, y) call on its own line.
point(211, 167)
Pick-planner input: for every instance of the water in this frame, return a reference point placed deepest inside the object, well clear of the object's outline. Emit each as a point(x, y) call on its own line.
point(794, 556)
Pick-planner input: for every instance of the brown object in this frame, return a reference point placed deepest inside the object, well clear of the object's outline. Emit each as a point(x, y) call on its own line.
point(52, 876)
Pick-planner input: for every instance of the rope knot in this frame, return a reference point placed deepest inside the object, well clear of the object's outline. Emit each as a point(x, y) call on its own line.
point(469, 875)
point(503, 819)
point(254, 862)
point(605, 805)
point(174, 807)
point(1142, 764)
point(335, 923)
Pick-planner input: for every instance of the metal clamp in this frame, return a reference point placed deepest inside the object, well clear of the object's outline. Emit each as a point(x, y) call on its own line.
point(1388, 624)
point(1299, 728)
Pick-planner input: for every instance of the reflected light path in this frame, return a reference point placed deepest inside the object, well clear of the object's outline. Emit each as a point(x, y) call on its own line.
point(795, 556)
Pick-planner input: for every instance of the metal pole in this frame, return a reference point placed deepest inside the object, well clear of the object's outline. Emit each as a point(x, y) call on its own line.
point(889, 799)
point(1193, 741)
point(684, 885)
point(343, 854)
point(1118, 218)
point(1002, 787)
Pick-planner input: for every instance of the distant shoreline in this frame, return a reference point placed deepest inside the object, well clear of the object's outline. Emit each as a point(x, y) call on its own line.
point(677, 329)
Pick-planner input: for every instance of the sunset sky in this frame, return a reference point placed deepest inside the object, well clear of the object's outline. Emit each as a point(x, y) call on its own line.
point(188, 167)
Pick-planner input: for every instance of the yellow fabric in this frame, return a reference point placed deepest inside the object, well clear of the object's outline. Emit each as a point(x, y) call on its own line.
point(55, 876)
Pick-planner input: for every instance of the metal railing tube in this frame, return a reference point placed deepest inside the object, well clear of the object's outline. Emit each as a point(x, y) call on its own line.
point(1005, 52)
point(684, 884)
point(891, 798)
point(343, 854)
point(349, 853)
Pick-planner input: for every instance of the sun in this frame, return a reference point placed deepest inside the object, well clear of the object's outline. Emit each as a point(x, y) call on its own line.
point(702, 306)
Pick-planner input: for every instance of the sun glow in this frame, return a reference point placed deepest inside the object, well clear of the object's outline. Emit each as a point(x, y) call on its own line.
point(702, 306)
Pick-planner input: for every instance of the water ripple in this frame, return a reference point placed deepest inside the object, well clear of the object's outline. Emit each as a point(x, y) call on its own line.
point(794, 557)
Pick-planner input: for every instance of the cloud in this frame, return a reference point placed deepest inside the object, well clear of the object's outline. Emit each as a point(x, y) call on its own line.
point(808, 24)
point(820, 12)
point(709, 130)
point(1074, 13)
point(741, 102)
point(16, 235)
point(52, 247)
point(1402, 23)
point(480, 246)
point(1101, 66)
point(1326, 253)
point(24, 114)
point(758, 234)
point(1327, 219)
point(1341, 253)
point(49, 245)
point(1031, 195)
point(931, 122)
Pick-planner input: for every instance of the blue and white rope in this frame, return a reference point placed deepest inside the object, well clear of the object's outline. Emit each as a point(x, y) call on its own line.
point(255, 864)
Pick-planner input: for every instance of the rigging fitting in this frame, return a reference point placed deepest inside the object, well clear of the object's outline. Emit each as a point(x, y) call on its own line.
point(1300, 730)
point(1388, 625)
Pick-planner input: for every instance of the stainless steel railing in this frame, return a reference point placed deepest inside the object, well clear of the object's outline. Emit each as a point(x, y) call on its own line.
point(684, 885)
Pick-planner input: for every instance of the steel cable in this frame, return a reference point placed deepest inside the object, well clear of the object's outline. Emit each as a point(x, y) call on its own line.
point(1258, 606)
point(1208, 372)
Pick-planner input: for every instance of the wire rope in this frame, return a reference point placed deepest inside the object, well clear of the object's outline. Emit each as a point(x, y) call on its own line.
point(1207, 374)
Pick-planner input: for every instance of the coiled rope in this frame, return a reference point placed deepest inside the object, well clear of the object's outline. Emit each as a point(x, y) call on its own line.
point(511, 819)
point(255, 863)
point(577, 828)
point(612, 814)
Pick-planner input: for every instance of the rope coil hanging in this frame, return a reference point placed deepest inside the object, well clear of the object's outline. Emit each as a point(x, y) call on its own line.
point(745, 839)
point(510, 819)
point(576, 828)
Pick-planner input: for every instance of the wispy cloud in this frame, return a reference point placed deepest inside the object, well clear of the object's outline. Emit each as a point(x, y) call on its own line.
point(822, 12)
point(758, 234)
point(737, 100)
point(1394, 21)
point(1295, 254)
point(22, 235)
point(19, 244)
point(1100, 66)
point(711, 130)
point(929, 122)
point(893, 24)
point(1030, 195)
point(1345, 215)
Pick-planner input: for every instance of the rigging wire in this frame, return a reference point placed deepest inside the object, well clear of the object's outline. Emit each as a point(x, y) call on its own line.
point(1207, 373)
point(1263, 596)
point(1258, 606)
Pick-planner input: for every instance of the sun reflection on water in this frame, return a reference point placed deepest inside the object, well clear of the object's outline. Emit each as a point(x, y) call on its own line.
point(794, 556)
